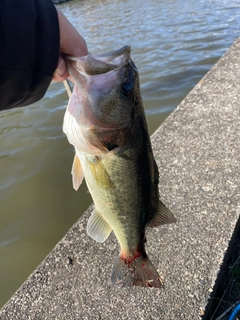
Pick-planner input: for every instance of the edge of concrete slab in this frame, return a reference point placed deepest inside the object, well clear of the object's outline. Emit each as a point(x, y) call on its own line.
point(198, 153)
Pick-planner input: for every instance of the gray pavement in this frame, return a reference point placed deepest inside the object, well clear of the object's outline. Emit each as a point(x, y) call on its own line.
point(198, 153)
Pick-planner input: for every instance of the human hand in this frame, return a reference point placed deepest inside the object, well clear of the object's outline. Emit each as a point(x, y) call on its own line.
point(70, 43)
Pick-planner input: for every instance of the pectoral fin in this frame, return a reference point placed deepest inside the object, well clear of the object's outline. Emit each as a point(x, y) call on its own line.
point(162, 216)
point(77, 173)
point(100, 174)
point(97, 227)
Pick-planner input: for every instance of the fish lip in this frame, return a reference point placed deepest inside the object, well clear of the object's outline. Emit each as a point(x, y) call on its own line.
point(114, 60)
point(116, 53)
point(119, 52)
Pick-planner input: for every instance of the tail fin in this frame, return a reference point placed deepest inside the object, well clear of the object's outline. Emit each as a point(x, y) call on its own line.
point(139, 272)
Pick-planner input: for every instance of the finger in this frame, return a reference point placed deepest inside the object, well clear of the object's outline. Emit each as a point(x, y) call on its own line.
point(61, 72)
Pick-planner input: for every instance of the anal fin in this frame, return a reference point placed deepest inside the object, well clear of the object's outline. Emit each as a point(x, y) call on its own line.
point(77, 173)
point(97, 227)
point(162, 216)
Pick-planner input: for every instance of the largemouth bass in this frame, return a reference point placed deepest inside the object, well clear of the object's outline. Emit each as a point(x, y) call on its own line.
point(106, 124)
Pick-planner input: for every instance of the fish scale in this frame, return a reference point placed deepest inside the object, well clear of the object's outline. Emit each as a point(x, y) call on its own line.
point(118, 198)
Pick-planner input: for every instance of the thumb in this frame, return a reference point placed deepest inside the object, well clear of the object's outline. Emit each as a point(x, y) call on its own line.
point(61, 72)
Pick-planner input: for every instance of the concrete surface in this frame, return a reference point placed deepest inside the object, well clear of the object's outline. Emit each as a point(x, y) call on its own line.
point(198, 153)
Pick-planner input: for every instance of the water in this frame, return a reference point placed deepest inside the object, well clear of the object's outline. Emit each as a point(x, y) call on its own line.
point(174, 43)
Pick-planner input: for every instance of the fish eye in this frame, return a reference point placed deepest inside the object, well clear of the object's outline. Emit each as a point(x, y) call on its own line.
point(127, 89)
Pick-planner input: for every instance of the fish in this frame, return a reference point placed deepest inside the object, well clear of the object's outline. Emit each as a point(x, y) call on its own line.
point(105, 122)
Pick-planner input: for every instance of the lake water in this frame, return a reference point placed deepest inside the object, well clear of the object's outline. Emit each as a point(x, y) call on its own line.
point(174, 43)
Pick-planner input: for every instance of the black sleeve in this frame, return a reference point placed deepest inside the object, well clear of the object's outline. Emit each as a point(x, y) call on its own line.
point(29, 50)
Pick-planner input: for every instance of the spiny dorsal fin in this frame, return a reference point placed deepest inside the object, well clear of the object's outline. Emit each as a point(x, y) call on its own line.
point(162, 216)
point(97, 227)
point(77, 173)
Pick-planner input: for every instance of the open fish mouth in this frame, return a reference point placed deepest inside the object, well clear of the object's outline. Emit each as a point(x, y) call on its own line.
point(101, 63)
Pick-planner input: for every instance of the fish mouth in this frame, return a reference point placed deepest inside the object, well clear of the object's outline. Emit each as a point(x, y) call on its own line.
point(97, 94)
point(100, 63)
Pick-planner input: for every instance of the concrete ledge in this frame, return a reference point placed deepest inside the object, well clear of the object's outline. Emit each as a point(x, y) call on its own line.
point(198, 153)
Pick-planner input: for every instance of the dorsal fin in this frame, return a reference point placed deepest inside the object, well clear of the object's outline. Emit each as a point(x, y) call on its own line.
point(162, 216)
